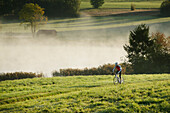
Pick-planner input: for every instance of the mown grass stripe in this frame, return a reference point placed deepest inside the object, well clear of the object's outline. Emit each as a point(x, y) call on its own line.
point(105, 22)
point(107, 94)
point(152, 21)
point(89, 24)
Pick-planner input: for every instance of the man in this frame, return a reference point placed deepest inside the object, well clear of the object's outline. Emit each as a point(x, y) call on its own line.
point(119, 70)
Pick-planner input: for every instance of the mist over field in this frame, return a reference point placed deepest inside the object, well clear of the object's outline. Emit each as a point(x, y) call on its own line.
point(70, 49)
point(46, 55)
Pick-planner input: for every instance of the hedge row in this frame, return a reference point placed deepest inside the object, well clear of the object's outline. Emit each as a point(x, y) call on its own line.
point(18, 75)
point(101, 70)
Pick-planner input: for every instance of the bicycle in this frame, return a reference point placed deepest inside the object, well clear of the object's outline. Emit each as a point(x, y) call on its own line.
point(116, 79)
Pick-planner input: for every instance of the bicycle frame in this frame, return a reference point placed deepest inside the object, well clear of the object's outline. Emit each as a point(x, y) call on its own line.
point(116, 79)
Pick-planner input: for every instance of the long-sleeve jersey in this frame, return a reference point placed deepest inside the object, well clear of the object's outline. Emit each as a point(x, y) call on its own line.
point(118, 67)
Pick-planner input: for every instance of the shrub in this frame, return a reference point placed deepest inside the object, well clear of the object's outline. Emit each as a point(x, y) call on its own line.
point(101, 70)
point(132, 7)
point(72, 7)
point(18, 75)
point(165, 8)
point(97, 3)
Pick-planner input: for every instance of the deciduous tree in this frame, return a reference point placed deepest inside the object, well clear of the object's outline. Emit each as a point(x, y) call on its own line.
point(32, 15)
point(160, 54)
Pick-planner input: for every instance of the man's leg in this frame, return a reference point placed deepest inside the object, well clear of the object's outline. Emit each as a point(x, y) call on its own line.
point(120, 77)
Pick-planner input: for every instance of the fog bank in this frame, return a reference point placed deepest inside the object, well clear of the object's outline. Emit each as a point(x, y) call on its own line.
point(76, 49)
point(46, 55)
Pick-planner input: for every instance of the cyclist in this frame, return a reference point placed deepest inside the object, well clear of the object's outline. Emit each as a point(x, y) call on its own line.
point(119, 70)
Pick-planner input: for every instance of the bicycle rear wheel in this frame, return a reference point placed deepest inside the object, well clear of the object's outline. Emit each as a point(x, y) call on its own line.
point(122, 80)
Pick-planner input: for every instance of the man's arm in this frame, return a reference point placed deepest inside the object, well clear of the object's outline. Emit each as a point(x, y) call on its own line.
point(113, 69)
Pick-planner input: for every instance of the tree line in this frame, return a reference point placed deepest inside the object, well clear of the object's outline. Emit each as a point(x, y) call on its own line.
point(61, 8)
point(53, 8)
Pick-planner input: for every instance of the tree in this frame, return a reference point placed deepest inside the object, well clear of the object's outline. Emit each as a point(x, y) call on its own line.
point(165, 8)
point(160, 55)
point(32, 15)
point(5, 7)
point(139, 48)
point(97, 3)
point(148, 54)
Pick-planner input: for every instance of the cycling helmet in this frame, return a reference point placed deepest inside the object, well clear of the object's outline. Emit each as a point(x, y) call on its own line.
point(116, 63)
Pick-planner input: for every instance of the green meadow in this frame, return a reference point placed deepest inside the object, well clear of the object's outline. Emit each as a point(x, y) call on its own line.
point(86, 23)
point(139, 93)
point(124, 4)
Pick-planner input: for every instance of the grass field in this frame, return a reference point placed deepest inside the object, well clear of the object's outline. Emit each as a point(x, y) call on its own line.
point(125, 5)
point(139, 93)
point(87, 23)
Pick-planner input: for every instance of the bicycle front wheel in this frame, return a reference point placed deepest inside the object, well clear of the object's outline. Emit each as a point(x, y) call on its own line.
point(115, 80)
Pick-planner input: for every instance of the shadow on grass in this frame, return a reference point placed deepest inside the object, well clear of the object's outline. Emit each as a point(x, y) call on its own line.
point(137, 13)
point(85, 86)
